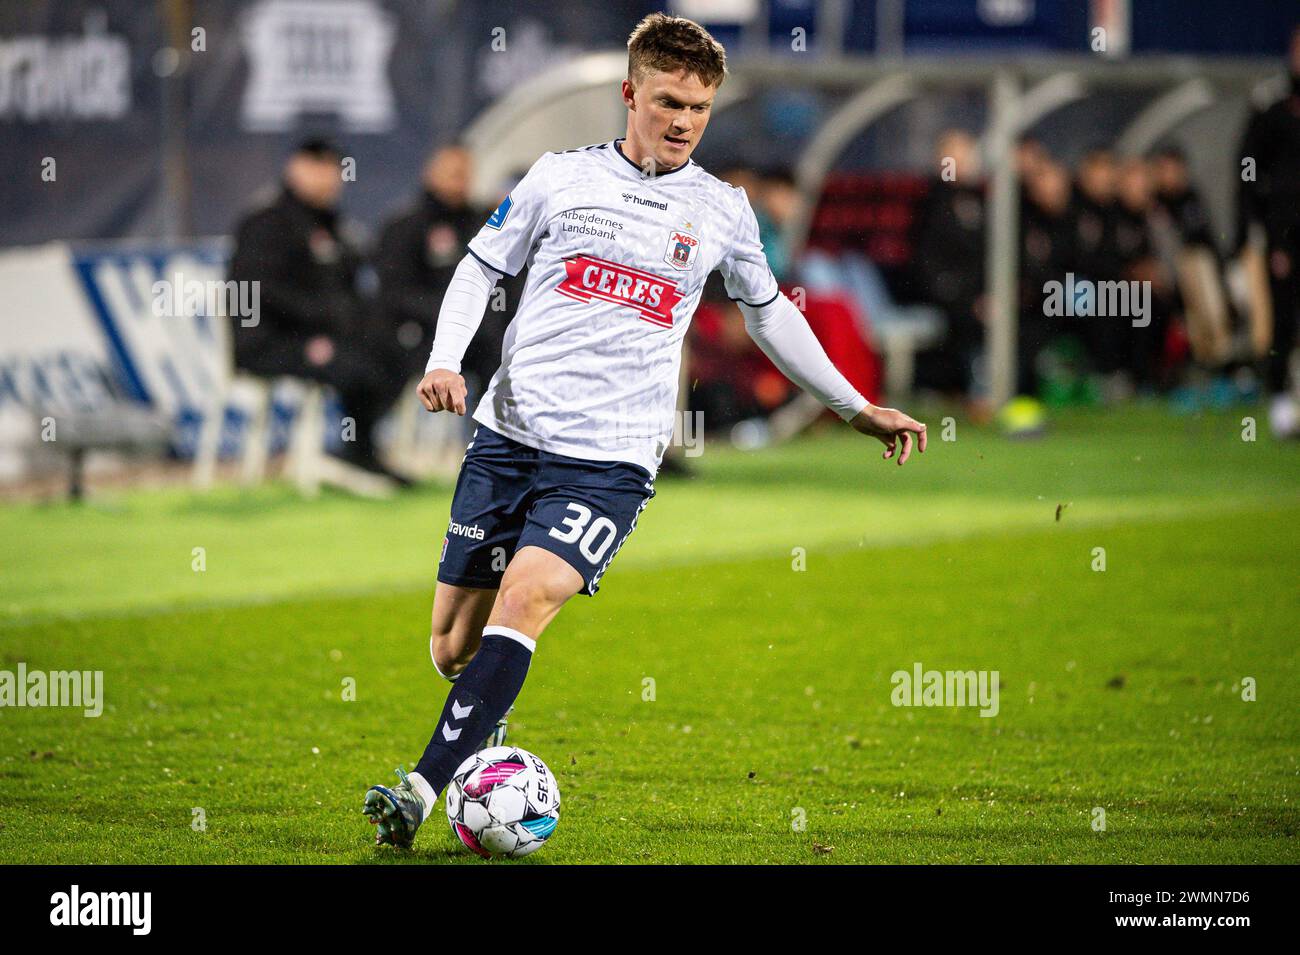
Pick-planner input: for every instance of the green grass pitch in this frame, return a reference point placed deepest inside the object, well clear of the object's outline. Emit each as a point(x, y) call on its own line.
point(771, 736)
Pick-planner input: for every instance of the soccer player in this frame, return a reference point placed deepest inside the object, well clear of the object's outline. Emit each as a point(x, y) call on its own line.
point(618, 238)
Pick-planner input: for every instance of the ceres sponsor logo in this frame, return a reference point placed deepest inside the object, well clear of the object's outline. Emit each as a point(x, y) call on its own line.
point(653, 298)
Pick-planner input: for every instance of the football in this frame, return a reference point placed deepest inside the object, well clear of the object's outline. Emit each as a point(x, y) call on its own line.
point(503, 801)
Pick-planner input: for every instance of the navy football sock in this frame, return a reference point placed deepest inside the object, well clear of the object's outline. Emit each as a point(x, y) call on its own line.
point(481, 695)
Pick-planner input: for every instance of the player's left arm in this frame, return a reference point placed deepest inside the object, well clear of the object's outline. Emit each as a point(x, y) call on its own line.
point(782, 332)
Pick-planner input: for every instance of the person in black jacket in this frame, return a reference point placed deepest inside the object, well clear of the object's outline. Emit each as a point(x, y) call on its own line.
point(949, 262)
point(1045, 256)
point(415, 259)
point(312, 322)
point(1271, 199)
point(1095, 257)
point(1139, 261)
point(1178, 200)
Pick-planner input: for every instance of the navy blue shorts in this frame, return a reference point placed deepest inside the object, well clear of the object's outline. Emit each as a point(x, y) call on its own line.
point(509, 495)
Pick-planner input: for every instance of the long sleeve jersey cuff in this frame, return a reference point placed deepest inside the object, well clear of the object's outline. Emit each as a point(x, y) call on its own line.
point(782, 332)
point(462, 310)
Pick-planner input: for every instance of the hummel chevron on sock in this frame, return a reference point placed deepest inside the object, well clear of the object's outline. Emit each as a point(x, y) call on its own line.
point(481, 695)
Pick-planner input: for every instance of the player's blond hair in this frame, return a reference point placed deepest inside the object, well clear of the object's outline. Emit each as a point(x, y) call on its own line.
point(667, 44)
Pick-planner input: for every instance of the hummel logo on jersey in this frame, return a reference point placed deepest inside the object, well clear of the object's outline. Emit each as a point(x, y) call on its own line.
point(629, 197)
point(587, 278)
point(472, 531)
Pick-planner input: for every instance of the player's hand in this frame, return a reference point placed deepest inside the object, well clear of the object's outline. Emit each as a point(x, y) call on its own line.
point(443, 390)
point(893, 428)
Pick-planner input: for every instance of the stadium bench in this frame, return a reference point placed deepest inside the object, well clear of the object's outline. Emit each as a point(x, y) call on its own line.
point(124, 430)
point(308, 466)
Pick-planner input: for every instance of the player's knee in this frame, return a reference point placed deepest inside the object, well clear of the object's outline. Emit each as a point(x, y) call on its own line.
point(526, 599)
point(450, 653)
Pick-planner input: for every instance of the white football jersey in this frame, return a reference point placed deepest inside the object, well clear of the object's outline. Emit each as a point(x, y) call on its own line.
point(617, 261)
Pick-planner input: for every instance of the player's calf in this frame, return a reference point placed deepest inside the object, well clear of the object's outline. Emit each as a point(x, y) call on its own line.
point(480, 698)
point(449, 667)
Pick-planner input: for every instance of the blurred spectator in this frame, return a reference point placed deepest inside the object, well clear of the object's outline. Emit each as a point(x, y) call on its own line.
point(312, 314)
point(1094, 253)
point(1139, 263)
point(1031, 156)
point(416, 257)
point(1271, 200)
point(950, 261)
point(780, 201)
point(1093, 215)
point(1045, 256)
point(731, 378)
point(1185, 242)
point(1133, 193)
point(1177, 199)
point(774, 199)
point(418, 252)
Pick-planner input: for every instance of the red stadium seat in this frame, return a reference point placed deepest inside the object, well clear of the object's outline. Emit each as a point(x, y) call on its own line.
point(869, 212)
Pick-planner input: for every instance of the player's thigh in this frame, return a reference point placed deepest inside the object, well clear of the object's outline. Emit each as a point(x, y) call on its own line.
point(536, 585)
point(488, 511)
point(584, 512)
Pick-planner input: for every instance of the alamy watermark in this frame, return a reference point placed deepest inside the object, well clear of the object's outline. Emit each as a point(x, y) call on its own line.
point(133, 910)
point(177, 297)
point(72, 688)
point(1084, 298)
point(921, 687)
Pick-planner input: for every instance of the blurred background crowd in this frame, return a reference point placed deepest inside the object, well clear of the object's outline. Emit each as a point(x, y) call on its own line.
point(342, 154)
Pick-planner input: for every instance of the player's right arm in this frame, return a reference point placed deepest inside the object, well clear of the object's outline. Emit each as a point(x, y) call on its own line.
point(500, 248)
point(781, 331)
point(443, 386)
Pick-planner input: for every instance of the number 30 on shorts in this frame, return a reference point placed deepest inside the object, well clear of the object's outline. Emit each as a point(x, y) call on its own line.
point(599, 534)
